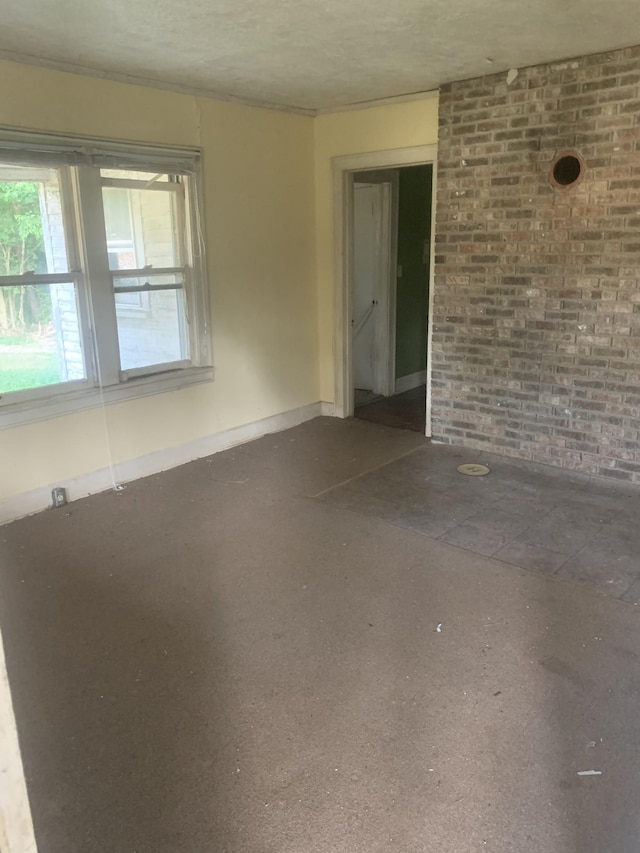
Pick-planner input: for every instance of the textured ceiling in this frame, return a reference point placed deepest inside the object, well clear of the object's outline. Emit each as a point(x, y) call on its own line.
point(310, 54)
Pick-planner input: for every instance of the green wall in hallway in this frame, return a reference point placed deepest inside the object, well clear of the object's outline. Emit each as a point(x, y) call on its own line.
point(414, 231)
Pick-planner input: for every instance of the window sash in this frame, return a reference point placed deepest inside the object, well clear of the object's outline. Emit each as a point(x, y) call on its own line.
point(148, 272)
point(154, 369)
point(39, 278)
point(54, 388)
point(181, 229)
point(183, 328)
point(149, 186)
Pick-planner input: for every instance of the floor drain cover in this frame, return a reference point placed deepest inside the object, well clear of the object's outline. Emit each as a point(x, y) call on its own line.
point(473, 469)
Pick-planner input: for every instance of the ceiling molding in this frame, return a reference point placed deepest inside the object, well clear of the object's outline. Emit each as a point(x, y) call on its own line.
point(380, 102)
point(133, 80)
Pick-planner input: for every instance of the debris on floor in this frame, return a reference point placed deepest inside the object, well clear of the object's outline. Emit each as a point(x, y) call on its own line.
point(589, 772)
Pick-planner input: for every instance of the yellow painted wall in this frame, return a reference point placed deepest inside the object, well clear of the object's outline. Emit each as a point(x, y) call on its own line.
point(268, 230)
point(400, 125)
point(259, 221)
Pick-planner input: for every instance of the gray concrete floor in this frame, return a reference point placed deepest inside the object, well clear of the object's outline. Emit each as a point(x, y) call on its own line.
point(215, 660)
point(541, 518)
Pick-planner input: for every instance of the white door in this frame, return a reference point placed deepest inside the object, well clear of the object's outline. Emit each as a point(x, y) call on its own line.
point(369, 287)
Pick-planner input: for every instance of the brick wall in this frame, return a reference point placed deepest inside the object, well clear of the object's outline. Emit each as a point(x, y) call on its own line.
point(536, 344)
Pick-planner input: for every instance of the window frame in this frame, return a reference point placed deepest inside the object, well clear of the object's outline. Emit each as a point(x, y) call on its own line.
point(180, 269)
point(79, 162)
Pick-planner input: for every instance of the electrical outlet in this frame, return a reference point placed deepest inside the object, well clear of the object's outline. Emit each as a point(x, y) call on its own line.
point(59, 496)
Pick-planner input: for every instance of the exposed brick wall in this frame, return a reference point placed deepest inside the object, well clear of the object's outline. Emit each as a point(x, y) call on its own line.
point(536, 344)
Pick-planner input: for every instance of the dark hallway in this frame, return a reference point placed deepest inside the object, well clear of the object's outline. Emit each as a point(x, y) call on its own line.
point(402, 411)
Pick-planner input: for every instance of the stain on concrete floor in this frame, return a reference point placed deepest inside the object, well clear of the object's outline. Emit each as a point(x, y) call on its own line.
point(568, 525)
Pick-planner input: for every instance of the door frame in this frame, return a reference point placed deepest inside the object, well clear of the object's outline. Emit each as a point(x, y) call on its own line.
point(343, 169)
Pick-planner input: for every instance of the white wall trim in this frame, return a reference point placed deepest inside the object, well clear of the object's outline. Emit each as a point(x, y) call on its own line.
point(149, 82)
point(432, 290)
point(56, 404)
point(197, 92)
point(82, 485)
point(410, 381)
point(344, 168)
point(327, 410)
point(381, 102)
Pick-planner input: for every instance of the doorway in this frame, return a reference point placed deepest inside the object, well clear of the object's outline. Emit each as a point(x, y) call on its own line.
point(391, 232)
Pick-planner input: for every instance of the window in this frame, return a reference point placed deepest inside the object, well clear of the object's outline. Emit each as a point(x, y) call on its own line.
point(102, 286)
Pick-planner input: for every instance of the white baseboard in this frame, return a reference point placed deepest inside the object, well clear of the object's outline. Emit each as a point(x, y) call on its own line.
point(410, 381)
point(82, 485)
point(328, 410)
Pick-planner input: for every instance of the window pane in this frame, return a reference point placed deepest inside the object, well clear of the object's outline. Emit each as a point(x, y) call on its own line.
point(141, 226)
point(40, 341)
point(151, 323)
point(31, 225)
point(120, 242)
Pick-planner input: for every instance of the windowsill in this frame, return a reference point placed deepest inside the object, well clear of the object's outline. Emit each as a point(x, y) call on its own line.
point(54, 406)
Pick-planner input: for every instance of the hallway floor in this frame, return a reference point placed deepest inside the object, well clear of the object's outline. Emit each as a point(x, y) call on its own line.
point(267, 651)
point(402, 411)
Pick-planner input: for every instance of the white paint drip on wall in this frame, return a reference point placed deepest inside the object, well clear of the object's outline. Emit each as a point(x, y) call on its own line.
point(511, 75)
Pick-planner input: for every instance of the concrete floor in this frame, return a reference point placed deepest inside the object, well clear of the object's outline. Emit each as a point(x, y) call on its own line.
point(215, 660)
point(534, 516)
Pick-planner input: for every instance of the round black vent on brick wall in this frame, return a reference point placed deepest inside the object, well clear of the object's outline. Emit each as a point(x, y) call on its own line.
point(567, 170)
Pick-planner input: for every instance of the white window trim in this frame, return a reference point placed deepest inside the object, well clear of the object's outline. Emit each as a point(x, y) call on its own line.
point(109, 384)
point(60, 404)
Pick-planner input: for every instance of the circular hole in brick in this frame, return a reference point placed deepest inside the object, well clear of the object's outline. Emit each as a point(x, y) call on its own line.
point(567, 170)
